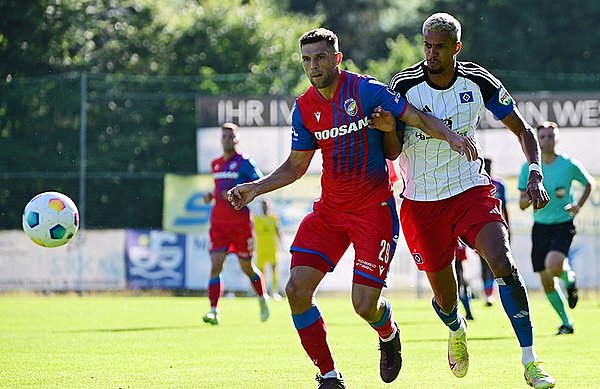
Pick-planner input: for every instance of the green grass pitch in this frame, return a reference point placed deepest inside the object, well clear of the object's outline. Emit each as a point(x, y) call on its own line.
point(100, 341)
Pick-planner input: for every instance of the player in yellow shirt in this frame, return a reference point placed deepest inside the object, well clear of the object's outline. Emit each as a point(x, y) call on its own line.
point(266, 230)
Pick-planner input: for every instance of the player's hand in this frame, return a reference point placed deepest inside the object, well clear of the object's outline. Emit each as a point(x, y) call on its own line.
point(382, 120)
point(241, 195)
point(538, 197)
point(463, 145)
point(208, 196)
point(572, 209)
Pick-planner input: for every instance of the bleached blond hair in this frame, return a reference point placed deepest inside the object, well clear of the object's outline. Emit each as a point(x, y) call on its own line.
point(441, 22)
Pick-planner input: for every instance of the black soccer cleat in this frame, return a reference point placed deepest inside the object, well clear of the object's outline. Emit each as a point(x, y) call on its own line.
point(390, 361)
point(330, 383)
point(572, 294)
point(565, 330)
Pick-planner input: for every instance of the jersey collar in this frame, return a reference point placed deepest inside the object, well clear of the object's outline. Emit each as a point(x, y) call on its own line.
point(432, 85)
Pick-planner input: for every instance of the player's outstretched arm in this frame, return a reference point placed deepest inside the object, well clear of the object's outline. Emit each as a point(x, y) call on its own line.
point(289, 171)
point(435, 128)
point(514, 121)
point(386, 122)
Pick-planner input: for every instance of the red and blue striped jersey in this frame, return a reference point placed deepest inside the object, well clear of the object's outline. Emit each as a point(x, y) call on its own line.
point(355, 173)
point(227, 174)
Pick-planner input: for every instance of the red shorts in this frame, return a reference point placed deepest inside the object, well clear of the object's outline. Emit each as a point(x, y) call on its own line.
point(460, 253)
point(233, 238)
point(432, 228)
point(327, 233)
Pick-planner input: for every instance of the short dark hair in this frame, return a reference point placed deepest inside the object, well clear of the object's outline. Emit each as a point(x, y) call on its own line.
point(320, 34)
point(548, 124)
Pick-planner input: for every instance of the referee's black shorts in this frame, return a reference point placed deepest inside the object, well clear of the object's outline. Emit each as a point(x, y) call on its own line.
point(550, 237)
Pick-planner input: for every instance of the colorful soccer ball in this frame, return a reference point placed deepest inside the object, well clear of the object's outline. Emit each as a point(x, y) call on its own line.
point(50, 219)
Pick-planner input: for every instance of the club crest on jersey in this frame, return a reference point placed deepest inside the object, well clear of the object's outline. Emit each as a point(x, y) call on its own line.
point(466, 97)
point(504, 97)
point(350, 107)
point(233, 165)
point(417, 257)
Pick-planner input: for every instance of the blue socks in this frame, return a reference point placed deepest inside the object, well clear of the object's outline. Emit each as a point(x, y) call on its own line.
point(513, 295)
point(450, 319)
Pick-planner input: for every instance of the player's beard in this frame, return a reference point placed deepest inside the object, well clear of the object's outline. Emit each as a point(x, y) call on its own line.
point(435, 70)
point(322, 82)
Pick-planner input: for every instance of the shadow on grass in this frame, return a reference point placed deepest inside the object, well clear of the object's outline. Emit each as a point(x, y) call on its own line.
point(133, 329)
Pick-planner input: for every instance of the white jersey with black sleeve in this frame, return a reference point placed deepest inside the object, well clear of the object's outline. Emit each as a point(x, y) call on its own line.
point(431, 170)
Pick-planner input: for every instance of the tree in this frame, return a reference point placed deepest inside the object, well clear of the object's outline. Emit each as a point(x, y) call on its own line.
point(547, 45)
point(144, 68)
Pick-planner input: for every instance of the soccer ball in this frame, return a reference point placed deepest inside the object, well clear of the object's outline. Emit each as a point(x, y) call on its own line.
point(50, 219)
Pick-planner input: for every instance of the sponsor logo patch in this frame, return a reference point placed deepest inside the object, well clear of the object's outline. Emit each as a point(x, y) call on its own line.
point(504, 97)
point(342, 130)
point(466, 97)
point(226, 175)
point(318, 116)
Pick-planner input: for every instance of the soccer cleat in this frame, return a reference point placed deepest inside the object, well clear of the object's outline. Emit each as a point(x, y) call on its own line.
point(458, 356)
point(390, 360)
point(264, 308)
point(537, 377)
point(469, 316)
point(211, 318)
point(489, 301)
point(572, 294)
point(564, 330)
point(330, 383)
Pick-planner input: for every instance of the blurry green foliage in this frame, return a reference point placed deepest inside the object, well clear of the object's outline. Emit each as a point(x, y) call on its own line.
point(146, 60)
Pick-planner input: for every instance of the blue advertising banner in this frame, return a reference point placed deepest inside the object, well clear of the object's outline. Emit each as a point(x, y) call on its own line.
point(154, 259)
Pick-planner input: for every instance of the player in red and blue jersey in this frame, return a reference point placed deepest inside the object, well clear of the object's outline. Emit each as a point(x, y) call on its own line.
point(231, 230)
point(339, 114)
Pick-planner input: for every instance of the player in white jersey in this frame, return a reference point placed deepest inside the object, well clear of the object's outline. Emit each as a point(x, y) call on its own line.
point(448, 197)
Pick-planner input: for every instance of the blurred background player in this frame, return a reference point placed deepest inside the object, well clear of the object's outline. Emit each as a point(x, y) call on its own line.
point(465, 294)
point(553, 229)
point(338, 114)
point(486, 273)
point(268, 240)
point(231, 230)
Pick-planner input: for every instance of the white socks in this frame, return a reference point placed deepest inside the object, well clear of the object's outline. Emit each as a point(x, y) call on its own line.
point(529, 355)
point(332, 374)
point(461, 330)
